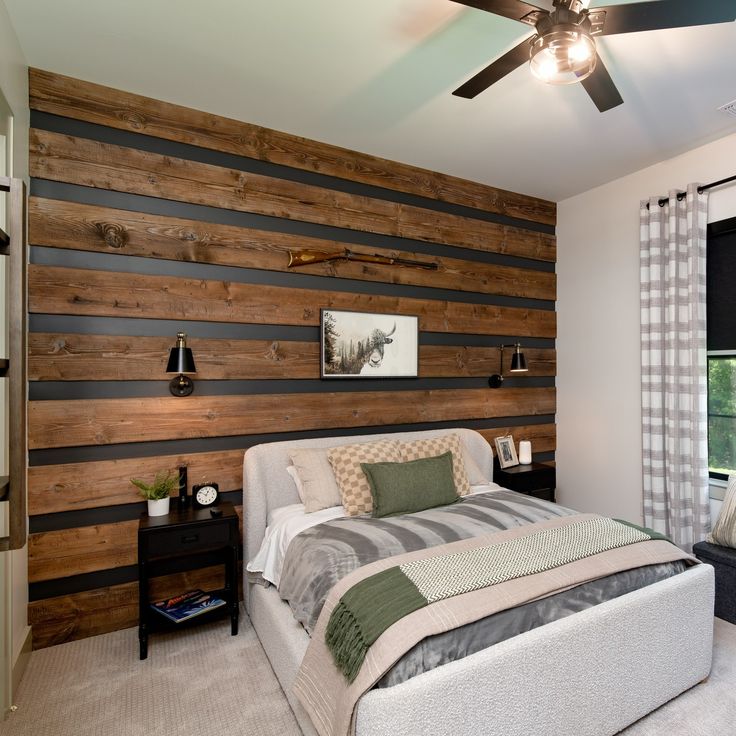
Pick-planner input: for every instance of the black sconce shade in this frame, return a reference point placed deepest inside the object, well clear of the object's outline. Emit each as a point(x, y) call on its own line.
point(181, 361)
point(518, 361)
point(518, 365)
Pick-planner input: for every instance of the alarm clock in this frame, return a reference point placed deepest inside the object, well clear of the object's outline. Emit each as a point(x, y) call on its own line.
point(205, 495)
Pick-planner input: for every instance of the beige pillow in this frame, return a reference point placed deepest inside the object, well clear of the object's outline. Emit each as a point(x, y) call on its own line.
point(319, 486)
point(434, 446)
point(353, 483)
point(724, 531)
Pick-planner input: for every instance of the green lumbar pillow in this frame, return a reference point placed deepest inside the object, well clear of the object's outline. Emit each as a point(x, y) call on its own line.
point(402, 488)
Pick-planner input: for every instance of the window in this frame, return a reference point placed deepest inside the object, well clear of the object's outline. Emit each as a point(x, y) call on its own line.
point(721, 297)
point(721, 414)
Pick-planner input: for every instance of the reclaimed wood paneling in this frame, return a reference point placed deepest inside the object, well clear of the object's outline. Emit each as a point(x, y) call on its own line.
point(109, 421)
point(88, 543)
point(75, 486)
point(90, 163)
point(72, 357)
point(78, 615)
point(73, 98)
point(62, 224)
point(58, 290)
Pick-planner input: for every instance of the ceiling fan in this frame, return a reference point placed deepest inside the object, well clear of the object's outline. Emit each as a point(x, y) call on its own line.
point(562, 50)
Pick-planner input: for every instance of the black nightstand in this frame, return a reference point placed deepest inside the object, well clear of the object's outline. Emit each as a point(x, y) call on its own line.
point(536, 480)
point(187, 539)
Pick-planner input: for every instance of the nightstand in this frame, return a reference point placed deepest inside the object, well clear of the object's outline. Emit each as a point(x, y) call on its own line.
point(536, 480)
point(187, 539)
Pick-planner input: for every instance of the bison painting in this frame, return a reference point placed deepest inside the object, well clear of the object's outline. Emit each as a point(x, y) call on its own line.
point(359, 344)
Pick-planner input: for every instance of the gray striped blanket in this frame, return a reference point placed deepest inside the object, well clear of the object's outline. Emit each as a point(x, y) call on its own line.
point(321, 556)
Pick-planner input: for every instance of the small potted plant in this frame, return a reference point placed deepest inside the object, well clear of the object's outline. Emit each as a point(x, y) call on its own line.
point(157, 493)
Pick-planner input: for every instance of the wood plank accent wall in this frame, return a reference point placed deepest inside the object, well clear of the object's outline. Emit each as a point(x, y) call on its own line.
point(146, 218)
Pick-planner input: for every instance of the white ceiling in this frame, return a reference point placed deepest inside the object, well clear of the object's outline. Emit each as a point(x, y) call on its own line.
point(377, 76)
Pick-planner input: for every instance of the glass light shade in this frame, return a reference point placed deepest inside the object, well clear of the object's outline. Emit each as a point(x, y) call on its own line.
point(563, 55)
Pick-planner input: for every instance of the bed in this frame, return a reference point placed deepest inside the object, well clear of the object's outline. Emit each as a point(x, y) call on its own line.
point(593, 672)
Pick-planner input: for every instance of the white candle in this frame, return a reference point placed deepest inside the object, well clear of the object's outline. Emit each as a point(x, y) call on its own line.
point(525, 452)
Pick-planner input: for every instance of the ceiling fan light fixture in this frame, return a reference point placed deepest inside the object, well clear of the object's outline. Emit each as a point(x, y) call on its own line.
point(563, 55)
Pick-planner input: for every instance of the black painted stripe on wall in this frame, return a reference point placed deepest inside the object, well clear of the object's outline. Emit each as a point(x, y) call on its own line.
point(204, 213)
point(114, 576)
point(159, 386)
point(152, 144)
point(135, 326)
point(61, 455)
point(103, 515)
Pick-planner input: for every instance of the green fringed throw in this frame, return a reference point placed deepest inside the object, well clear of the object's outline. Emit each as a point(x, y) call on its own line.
point(365, 612)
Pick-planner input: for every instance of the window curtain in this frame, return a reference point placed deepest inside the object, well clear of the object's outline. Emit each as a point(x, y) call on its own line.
point(674, 365)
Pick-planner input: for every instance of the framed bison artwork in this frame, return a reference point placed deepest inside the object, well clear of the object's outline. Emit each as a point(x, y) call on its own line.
point(368, 345)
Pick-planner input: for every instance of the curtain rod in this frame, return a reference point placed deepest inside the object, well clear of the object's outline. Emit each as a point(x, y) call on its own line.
point(681, 195)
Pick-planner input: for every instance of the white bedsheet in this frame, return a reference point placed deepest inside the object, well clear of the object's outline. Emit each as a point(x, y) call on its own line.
point(285, 522)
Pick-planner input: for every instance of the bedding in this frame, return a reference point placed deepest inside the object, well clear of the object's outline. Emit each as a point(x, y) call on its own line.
point(419, 449)
point(415, 485)
point(346, 460)
point(321, 555)
point(330, 699)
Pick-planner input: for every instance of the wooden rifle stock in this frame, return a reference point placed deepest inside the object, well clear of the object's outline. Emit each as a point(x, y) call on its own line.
point(306, 257)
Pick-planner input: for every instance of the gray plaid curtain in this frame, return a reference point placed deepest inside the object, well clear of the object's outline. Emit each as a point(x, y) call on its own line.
point(673, 367)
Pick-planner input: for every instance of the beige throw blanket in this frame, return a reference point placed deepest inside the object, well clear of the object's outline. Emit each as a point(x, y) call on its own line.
point(331, 701)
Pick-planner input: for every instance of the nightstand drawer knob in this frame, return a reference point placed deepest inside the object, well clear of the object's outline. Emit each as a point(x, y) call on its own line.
point(189, 538)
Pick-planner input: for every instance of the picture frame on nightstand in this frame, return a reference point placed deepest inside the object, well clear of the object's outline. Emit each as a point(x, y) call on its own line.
point(506, 451)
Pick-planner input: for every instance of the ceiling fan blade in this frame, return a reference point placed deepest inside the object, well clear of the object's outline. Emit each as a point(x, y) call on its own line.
point(514, 9)
point(497, 70)
point(653, 16)
point(600, 87)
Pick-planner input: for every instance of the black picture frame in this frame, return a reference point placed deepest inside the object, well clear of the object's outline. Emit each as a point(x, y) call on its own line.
point(364, 345)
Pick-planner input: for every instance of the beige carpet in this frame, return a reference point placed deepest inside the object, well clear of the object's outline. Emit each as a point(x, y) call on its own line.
point(203, 682)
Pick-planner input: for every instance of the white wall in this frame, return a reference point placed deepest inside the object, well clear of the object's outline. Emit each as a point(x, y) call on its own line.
point(598, 384)
point(14, 87)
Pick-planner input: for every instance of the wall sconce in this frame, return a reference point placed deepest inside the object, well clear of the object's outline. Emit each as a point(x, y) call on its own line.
point(181, 361)
point(518, 365)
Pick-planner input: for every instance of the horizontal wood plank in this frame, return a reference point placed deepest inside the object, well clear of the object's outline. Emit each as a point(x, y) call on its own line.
point(79, 357)
point(75, 486)
point(111, 421)
point(88, 613)
point(62, 224)
point(106, 166)
point(58, 554)
point(58, 290)
point(79, 550)
point(94, 103)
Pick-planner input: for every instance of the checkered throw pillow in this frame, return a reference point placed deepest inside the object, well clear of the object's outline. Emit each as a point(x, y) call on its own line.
point(352, 481)
point(437, 446)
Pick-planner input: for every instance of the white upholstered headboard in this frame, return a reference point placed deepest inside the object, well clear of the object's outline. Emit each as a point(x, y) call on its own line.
point(267, 485)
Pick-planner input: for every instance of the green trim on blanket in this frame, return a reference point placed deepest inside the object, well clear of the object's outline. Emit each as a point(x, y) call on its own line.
point(371, 606)
point(365, 612)
point(649, 532)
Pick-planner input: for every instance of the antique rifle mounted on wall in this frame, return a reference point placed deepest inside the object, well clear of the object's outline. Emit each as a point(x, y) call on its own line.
point(307, 257)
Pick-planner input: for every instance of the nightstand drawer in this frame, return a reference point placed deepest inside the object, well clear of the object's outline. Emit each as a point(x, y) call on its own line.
point(181, 541)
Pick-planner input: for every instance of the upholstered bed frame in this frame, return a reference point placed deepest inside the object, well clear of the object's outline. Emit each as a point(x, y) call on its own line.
point(590, 674)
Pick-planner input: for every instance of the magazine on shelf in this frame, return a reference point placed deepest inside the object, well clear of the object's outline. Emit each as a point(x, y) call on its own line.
point(187, 605)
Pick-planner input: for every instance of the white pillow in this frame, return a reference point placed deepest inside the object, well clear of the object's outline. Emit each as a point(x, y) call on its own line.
point(291, 470)
point(319, 487)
